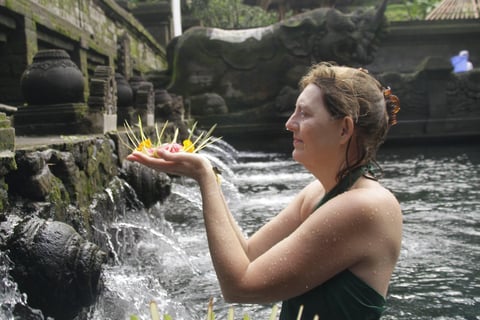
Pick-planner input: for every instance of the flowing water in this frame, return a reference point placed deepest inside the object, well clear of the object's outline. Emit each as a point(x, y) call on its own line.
point(165, 256)
point(161, 254)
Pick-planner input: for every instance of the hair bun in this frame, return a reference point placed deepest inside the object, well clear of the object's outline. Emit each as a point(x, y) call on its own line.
point(392, 103)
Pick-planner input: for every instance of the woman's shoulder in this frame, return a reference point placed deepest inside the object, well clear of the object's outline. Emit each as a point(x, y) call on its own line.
point(311, 195)
point(371, 193)
point(372, 205)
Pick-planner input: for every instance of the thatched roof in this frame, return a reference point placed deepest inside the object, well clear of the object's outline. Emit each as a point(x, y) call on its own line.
point(455, 10)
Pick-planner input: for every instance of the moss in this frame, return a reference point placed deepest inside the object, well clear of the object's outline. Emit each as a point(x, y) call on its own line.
point(3, 195)
point(59, 198)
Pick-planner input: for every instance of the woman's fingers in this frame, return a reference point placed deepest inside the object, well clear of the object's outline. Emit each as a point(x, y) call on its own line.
point(180, 163)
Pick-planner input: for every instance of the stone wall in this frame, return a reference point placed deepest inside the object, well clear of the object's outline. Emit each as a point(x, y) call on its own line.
point(92, 32)
point(409, 43)
point(61, 177)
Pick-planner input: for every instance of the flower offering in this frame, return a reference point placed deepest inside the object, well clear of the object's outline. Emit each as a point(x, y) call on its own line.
point(140, 142)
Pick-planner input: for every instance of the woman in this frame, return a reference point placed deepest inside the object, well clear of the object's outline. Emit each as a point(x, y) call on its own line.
point(331, 252)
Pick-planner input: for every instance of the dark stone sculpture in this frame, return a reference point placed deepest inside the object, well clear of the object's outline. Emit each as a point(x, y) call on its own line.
point(57, 269)
point(150, 186)
point(52, 78)
point(169, 107)
point(124, 92)
point(53, 88)
point(250, 68)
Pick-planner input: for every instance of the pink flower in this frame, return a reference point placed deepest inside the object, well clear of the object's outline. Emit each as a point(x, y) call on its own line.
point(171, 147)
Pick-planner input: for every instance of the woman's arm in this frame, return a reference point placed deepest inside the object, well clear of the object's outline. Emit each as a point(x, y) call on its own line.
point(287, 256)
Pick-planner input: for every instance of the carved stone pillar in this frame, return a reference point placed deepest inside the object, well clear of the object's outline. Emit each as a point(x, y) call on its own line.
point(143, 101)
point(103, 100)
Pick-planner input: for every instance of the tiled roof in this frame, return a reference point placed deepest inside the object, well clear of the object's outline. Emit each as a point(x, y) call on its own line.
point(455, 10)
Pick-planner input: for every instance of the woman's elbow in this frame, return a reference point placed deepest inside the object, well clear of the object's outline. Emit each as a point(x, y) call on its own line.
point(232, 295)
point(242, 295)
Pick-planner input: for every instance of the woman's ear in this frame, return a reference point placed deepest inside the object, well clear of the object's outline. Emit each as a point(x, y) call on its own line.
point(347, 129)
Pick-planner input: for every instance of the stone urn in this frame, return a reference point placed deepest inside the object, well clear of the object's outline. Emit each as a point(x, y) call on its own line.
point(52, 78)
point(135, 82)
point(124, 92)
point(162, 97)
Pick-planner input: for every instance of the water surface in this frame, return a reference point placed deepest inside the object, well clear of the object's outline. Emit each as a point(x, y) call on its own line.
point(164, 255)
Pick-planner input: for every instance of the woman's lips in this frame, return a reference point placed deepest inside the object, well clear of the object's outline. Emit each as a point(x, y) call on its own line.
point(296, 141)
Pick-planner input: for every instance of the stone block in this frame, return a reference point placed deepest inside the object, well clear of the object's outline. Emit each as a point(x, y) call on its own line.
point(101, 122)
point(7, 134)
point(7, 139)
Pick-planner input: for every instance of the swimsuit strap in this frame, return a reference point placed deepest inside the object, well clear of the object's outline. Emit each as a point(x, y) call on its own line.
point(343, 185)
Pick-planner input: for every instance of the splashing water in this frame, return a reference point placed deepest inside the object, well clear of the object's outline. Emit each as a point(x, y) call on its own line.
point(436, 277)
point(161, 254)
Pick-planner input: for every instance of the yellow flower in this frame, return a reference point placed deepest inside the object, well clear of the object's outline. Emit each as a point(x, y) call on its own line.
point(144, 145)
point(188, 146)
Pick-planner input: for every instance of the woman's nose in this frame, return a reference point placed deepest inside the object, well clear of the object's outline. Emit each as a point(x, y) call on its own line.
point(291, 124)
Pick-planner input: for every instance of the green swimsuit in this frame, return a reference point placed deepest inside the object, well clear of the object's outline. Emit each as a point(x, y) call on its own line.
point(344, 296)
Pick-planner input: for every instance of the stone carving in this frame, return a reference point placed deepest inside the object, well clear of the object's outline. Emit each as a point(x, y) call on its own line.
point(103, 90)
point(54, 265)
point(52, 78)
point(168, 106)
point(143, 100)
point(143, 94)
point(150, 186)
point(124, 92)
point(249, 68)
point(434, 100)
point(463, 92)
point(102, 101)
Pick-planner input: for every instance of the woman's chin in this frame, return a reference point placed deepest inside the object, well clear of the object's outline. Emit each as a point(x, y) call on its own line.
point(297, 155)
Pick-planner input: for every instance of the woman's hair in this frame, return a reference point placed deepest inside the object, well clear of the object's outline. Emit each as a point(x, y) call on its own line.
point(355, 93)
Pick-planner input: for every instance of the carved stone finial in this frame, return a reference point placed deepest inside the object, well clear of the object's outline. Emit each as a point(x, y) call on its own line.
point(103, 90)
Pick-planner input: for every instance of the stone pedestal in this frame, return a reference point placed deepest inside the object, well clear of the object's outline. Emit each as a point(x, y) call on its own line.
point(101, 122)
point(67, 118)
point(131, 116)
point(7, 134)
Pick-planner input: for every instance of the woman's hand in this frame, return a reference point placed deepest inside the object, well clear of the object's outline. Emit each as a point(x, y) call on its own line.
point(178, 163)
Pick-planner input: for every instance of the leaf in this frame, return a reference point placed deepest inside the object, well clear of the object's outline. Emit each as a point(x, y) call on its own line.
point(210, 315)
point(230, 314)
point(273, 316)
point(300, 311)
point(154, 311)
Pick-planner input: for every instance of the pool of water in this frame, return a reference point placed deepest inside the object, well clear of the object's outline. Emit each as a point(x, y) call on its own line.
point(163, 254)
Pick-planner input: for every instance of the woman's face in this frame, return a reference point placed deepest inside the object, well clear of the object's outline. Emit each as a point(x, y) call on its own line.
point(316, 133)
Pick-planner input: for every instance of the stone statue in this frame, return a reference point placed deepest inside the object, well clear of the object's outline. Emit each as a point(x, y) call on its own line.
point(252, 68)
point(57, 269)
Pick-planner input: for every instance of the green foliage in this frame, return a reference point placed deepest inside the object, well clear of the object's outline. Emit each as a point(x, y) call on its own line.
point(409, 10)
point(230, 14)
